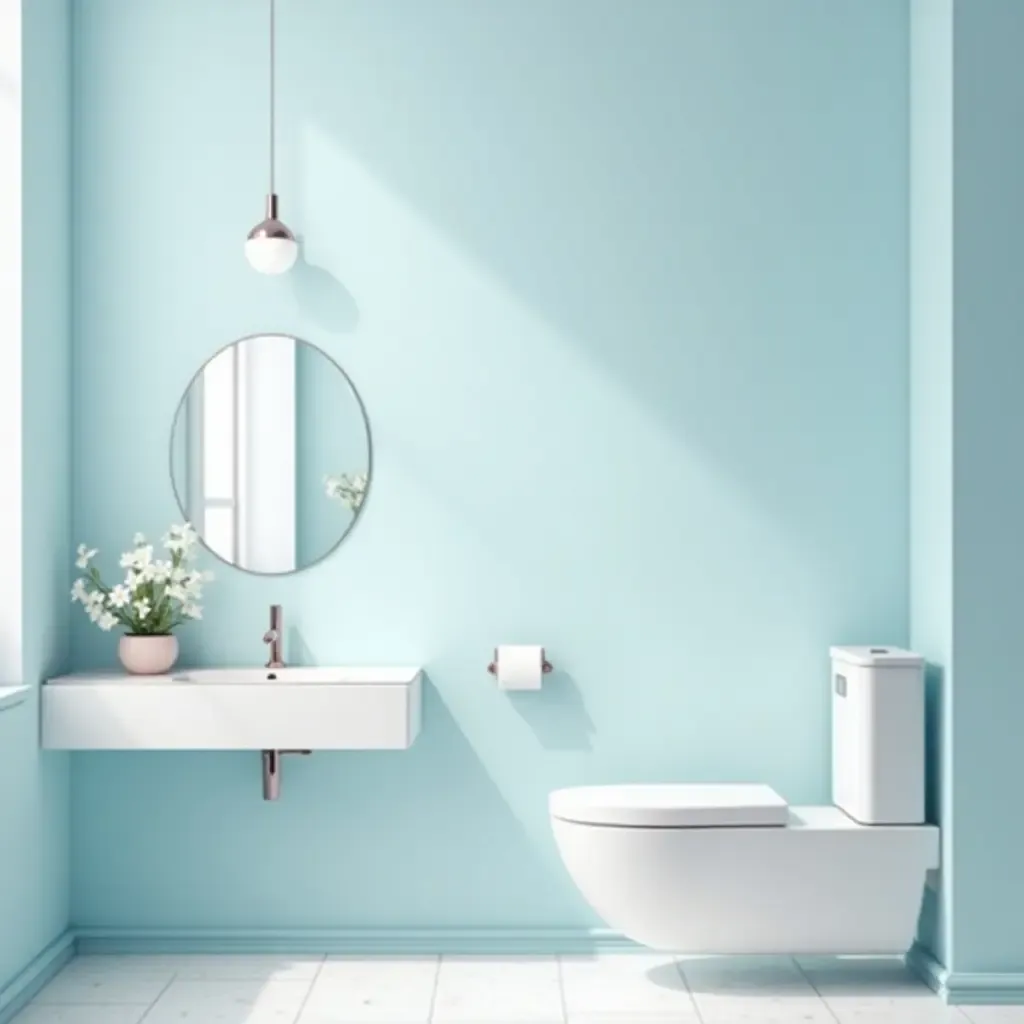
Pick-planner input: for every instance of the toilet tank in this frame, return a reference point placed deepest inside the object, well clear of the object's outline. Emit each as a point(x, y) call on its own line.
point(878, 735)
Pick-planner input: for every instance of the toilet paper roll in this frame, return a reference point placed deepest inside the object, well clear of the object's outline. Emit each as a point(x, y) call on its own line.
point(520, 666)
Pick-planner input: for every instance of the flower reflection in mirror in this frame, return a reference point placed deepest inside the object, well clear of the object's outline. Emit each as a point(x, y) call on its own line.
point(349, 488)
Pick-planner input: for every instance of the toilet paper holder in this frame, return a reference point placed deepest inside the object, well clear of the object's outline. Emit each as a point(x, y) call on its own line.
point(545, 665)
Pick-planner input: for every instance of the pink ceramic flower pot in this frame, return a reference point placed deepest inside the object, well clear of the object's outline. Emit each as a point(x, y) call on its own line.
point(148, 655)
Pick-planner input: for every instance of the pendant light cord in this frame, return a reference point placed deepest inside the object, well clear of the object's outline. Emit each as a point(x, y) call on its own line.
point(272, 71)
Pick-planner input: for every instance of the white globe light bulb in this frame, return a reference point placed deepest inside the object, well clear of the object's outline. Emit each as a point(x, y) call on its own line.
point(270, 255)
point(271, 247)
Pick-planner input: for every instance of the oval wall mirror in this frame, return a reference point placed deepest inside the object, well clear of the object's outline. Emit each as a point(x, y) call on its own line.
point(271, 454)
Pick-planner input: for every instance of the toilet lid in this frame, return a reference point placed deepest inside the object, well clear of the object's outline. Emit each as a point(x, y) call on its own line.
point(671, 806)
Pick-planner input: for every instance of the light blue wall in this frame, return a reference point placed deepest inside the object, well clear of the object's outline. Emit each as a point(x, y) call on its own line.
point(988, 896)
point(931, 403)
point(34, 788)
point(967, 489)
point(624, 287)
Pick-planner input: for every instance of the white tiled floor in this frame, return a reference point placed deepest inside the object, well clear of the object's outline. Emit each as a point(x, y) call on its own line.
point(612, 989)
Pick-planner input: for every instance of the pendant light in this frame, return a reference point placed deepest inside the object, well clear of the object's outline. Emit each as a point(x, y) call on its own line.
point(271, 247)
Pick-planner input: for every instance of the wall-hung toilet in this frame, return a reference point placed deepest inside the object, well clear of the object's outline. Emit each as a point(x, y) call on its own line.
point(733, 869)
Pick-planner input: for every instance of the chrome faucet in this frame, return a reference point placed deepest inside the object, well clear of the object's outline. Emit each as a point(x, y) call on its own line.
point(272, 637)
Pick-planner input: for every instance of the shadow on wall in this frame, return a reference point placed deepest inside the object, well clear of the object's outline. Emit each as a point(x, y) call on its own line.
point(670, 238)
point(323, 298)
point(298, 652)
point(490, 870)
point(619, 311)
point(556, 713)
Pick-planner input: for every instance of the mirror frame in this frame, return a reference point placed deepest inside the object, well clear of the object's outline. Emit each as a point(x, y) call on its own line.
point(369, 450)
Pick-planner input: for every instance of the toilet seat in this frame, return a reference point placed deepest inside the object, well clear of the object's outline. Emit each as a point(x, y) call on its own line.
point(669, 805)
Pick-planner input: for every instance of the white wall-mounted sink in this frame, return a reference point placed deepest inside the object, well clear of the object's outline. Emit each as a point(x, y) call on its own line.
point(344, 708)
point(292, 674)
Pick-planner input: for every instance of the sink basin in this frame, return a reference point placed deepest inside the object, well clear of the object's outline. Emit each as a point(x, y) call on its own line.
point(342, 708)
point(298, 675)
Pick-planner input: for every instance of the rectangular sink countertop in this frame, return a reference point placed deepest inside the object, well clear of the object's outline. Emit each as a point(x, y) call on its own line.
point(250, 676)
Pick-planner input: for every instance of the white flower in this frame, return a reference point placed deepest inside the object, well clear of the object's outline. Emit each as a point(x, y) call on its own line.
point(137, 559)
point(94, 605)
point(154, 590)
point(181, 539)
point(85, 556)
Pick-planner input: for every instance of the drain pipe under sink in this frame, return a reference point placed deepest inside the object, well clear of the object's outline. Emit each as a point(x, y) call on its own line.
point(272, 771)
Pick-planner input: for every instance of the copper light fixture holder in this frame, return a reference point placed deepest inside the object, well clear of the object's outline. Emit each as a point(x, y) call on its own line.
point(271, 227)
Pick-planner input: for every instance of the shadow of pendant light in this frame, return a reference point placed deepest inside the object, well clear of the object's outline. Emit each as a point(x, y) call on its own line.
point(271, 247)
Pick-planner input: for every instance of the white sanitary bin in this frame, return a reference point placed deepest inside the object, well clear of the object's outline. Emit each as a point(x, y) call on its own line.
point(878, 735)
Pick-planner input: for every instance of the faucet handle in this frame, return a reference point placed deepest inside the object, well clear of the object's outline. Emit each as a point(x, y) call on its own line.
point(273, 636)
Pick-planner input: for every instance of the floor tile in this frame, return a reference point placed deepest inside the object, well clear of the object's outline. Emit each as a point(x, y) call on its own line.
point(91, 983)
point(634, 1017)
point(850, 976)
point(354, 990)
point(602, 987)
point(738, 976)
point(96, 1014)
point(607, 989)
point(242, 967)
point(763, 1009)
point(876, 990)
point(911, 1007)
point(482, 990)
point(229, 1002)
point(758, 990)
